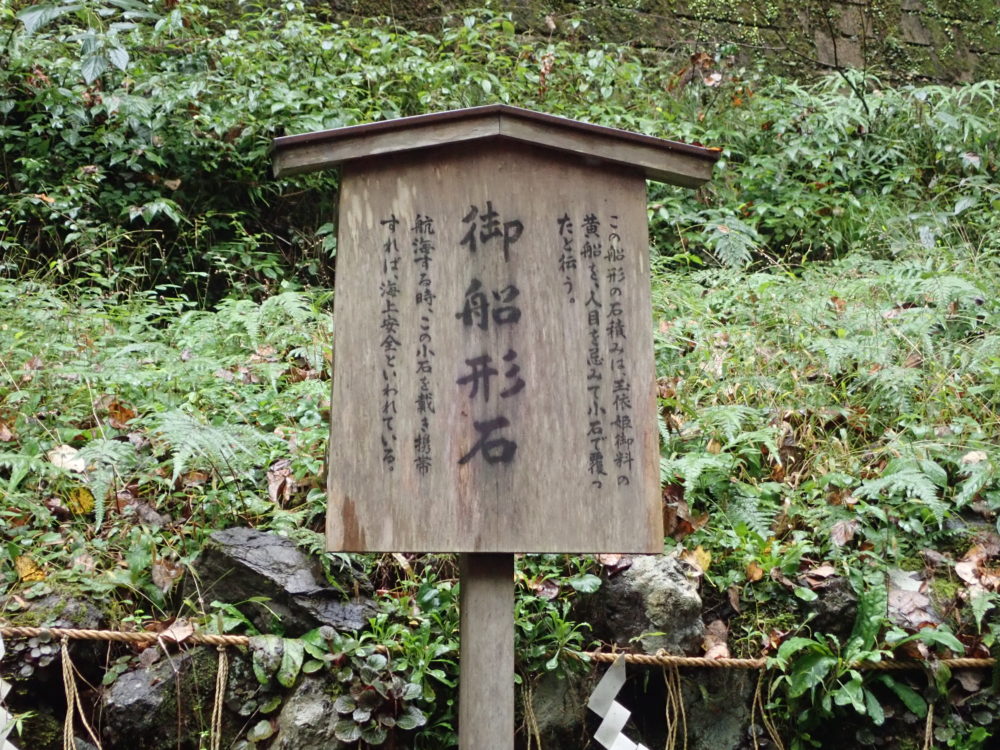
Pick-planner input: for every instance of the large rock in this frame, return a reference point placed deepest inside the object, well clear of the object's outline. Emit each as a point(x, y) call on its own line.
point(307, 718)
point(559, 703)
point(168, 704)
point(240, 564)
point(654, 603)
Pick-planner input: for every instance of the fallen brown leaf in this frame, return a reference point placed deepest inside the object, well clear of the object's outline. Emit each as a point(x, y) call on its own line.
point(754, 571)
point(716, 640)
point(65, 457)
point(28, 570)
point(119, 415)
point(164, 573)
point(843, 531)
point(734, 598)
point(179, 631)
point(697, 557)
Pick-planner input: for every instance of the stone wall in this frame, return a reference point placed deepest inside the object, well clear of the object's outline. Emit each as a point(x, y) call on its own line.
point(942, 40)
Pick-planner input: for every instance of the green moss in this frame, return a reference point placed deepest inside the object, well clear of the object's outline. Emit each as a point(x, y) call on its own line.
point(944, 591)
point(43, 731)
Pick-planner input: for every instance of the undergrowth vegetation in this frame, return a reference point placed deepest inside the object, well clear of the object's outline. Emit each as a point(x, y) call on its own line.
point(825, 332)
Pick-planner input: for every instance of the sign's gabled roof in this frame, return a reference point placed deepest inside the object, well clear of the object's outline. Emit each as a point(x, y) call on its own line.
point(658, 159)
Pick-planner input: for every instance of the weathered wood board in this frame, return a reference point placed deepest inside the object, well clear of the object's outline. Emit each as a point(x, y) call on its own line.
point(494, 377)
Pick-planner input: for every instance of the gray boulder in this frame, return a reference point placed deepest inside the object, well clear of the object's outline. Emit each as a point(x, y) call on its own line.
point(240, 564)
point(307, 718)
point(167, 704)
point(654, 603)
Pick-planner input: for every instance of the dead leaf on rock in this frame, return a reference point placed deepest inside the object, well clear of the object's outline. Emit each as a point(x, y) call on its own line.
point(149, 657)
point(615, 563)
point(716, 640)
point(698, 557)
point(970, 679)
point(546, 589)
point(909, 606)
point(818, 576)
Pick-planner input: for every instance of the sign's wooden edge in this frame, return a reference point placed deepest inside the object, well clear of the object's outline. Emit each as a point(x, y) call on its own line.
point(659, 159)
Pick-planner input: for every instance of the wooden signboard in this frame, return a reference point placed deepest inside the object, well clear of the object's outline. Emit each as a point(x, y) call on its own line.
point(494, 378)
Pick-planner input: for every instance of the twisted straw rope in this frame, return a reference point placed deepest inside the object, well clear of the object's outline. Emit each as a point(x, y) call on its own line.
point(652, 660)
point(664, 660)
point(73, 634)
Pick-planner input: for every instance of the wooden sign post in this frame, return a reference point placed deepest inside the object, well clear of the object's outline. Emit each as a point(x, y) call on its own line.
point(493, 389)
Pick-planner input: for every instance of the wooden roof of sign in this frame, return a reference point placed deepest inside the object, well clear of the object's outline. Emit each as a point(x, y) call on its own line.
point(658, 159)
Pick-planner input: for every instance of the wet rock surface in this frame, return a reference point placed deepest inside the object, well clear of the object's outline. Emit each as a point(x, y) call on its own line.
point(308, 718)
point(167, 704)
point(241, 564)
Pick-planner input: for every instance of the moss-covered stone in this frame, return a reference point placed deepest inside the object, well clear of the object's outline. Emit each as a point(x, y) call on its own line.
point(939, 39)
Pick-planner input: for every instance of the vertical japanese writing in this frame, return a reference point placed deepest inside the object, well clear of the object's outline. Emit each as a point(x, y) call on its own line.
point(480, 308)
point(621, 387)
point(423, 252)
point(591, 254)
point(567, 254)
point(389, 344)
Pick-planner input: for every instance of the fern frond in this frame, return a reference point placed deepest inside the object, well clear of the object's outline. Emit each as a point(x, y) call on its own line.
point(910, 483)
point(106, 460)
point(224, 448)
point(752, 511)
point(20, 466)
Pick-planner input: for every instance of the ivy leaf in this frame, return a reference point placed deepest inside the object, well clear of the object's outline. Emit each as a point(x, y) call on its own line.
point(118, 57)
point(291, 661)
point(411, 718)
point(374, 734)
point(808, 672)
point(874, 708)
point(92, 66)
point(347, 731)
point(37, 16)
point(585, 583)
point(910, 697)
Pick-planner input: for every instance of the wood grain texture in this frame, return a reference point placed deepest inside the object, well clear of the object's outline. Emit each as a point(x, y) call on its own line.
point(553, 495)
point(657, 158)
point(486, 686)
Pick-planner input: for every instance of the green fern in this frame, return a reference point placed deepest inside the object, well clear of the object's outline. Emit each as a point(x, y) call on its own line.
point(21, 466)
point(749, 508)
point(920, 481)
point(225, 449)
point(107, 462)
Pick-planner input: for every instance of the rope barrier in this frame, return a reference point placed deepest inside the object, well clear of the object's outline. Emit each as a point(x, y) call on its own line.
point(665, 660)
point(73, 634)
point(652, 660)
